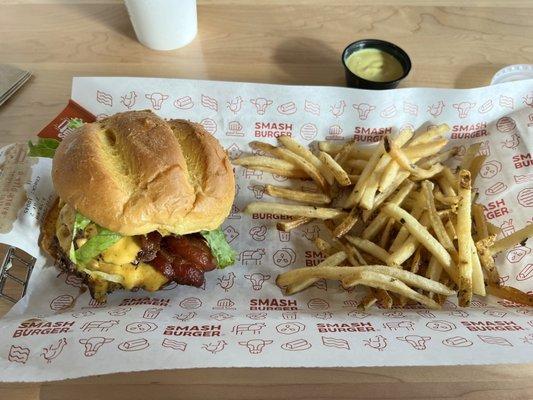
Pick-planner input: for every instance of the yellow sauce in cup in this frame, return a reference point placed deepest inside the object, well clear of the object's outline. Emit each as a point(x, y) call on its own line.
point(374, 65)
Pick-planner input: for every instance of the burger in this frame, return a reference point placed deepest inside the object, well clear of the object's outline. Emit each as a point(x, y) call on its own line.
point(140, 203)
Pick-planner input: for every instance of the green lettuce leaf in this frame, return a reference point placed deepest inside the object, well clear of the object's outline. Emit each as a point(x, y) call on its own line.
point(45, 147)
point(80, 223)
point(220, 248)
point(75, 123)
point(95, 245)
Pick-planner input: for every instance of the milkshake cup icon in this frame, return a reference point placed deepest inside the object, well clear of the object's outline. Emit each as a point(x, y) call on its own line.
point(289, 315)
point(152, 313)
point(284, 236)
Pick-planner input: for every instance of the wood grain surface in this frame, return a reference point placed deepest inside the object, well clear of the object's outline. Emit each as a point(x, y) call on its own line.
point(452, 43)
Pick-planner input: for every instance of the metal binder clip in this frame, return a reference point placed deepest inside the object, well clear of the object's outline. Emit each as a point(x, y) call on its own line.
point(12, 259)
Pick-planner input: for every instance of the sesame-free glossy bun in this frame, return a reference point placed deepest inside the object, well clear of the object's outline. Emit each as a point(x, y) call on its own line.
point(134, 173)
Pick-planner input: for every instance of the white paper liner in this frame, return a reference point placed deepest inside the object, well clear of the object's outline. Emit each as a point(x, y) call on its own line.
point(226, 322)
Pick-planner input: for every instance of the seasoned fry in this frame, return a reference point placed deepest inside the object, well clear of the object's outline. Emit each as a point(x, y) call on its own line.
point(478, 284)
point(487, 261)
point(493, 229)
point(335, 169)
point(355, 165)
point(372, 184)
point(450, 182)
point(322, 245)
point(439, 158)
point(430, 134)
point(287, 226)
point(475, 167)
point(356, 254)
point(291, 172)
point(353, 178)
point(470, 153)
point(425, 149)
point(384, 195)
point(480, 221)
point(450, 230)
point(346, 152)
point(403, 233)
point(424, 237)
point(436, 221)
point(408, 247)
point(513, 239)
point(433, 272)
point(388, 176)
point(368, 247)
point(401, 158)
point(447, 200)
point(358, 190)
point(340, 272)
point(295, 159)
point(347, 224)
point(512, 294)
point(349, 250)
point(306, 154)
point(369, 300)
point(263, 161)
point(381, 281)
point(331, 261)
point(297, 195)
point(383, 297)
point(392, 169)
point(415, 261)
point(264, 147)
point(293, 210)
point(464, 235)
point(333, 147)
point(385, 235)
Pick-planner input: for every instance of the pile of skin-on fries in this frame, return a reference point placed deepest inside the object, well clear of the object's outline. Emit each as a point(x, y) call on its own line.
point(401, 222)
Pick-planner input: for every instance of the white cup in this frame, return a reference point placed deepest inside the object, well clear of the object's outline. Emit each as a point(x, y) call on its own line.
point(163, 24)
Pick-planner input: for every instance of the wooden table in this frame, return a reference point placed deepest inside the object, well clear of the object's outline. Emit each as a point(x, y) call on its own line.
point(268, 41)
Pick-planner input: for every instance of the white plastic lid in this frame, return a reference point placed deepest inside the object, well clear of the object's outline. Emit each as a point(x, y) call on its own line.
point(511, 73)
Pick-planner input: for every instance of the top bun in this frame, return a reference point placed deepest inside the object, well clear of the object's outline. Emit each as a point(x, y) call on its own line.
point(134, 173)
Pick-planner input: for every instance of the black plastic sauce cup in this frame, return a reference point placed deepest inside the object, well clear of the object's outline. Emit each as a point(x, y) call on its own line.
point(355, 81)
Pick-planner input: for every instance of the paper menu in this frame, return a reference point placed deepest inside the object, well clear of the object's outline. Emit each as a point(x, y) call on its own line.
point(240, 318)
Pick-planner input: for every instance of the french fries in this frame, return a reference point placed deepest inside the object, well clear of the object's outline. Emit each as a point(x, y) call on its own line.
point(348, 223)
point(368, 247)
point(487, 260)
point(482, 230)
point(381, 281)
point(300, 150)
point(331, 261)
point(420, 232)
point(464, 236)
point(287, 226)
point(338, 172)
point(339, 273)
point(512, 294)
point(296, 160)
point(293, 210)
point(297, 195)
point(395, 203)
point(512, 240)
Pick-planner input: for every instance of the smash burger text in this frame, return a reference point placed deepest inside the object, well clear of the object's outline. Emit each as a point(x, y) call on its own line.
point(32, 328)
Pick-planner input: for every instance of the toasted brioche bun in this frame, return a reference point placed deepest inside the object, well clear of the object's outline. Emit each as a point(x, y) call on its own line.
point(134, 173)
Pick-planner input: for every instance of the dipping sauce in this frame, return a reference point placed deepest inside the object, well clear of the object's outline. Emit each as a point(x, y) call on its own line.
point(374, 65)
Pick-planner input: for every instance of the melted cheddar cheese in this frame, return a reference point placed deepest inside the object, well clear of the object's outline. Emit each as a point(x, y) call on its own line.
point(115, 260)
point(122, 252)
point(141, 275)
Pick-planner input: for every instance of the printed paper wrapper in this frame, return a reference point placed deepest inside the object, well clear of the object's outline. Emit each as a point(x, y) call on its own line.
point(240, 318)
